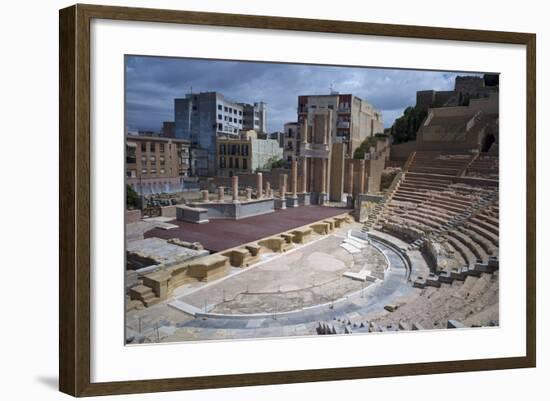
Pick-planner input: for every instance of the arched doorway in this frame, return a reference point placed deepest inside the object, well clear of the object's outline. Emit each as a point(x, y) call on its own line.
point(487, 142)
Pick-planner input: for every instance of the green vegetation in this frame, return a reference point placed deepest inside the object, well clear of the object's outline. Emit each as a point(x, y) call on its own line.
point(131, 197)
point(366, 144)
point(276, 163)
point(405, 127)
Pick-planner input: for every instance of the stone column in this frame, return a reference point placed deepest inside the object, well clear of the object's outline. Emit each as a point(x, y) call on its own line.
point(282, 180)
point(235, 185)
point(221, 194)
point(350, 177)
point(248, 194)
point(304, 175)
point(294, 178)
point(323, 175)
point(361, 176)
point(282, 192)
point(268, 189)
point(205, 196)
point(259, 186)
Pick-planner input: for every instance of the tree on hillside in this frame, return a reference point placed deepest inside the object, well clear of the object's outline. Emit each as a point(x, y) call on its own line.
point(405, 127)
point(366, 144)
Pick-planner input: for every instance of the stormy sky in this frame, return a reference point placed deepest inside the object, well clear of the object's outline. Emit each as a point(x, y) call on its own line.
point(152, 83)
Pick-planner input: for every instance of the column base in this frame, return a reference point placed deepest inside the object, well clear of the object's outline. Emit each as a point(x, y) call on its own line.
point(349, 202)
point(280, 203)
point(304, 199)
point(292, 202)
point(322, 199)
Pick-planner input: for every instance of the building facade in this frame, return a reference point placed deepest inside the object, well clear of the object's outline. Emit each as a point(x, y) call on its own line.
point(255, 116)
point(291, 143)
point(168, 129)
point(352, 119)
point(156, 164)
point(246, 154)
point(201, 117)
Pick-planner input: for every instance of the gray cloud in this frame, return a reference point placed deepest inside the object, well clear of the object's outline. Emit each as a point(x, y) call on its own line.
point(152, 83)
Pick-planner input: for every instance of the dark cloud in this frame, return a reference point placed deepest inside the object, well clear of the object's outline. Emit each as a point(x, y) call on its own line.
point(152, 83)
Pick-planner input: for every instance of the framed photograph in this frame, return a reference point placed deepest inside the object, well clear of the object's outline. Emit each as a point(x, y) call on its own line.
point(251, 200)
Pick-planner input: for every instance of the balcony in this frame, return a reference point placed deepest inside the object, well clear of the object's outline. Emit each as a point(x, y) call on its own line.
point(343, 124)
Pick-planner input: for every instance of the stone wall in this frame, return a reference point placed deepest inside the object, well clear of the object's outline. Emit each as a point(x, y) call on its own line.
point(133, 216)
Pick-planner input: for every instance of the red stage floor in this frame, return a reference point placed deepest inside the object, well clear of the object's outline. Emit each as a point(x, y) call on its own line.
point(218, 235)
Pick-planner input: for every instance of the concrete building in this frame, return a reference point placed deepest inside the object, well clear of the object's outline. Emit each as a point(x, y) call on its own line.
point(255, 116)
point(246, 154)
point(291, 143)
point(353, 119)
point(156, 164)
point(201, 117)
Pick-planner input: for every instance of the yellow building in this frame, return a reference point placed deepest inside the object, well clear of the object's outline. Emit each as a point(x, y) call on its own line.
point(156, 164)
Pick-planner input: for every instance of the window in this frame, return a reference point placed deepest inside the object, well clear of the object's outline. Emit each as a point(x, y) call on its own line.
point(162, 171)
point(153, 159)
point(143, 147)
point(240, 112)
point(219, 107)
point(144, 171)
point(225, 109)
point(245, 150)
point(236, 162)
point(143, 159)
point(240, 121)
point(220, 127)
point(162, 160)
point(220, 117)
point(245, 164)
point(161, 148)
point(234, 111)
point(230, 162)
point(225, 118)
point(152, 147)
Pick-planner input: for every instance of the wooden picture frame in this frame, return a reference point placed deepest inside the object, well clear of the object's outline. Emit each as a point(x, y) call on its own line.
point(75, 207)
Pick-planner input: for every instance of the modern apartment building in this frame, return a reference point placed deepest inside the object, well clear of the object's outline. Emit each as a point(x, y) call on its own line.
point(201, 118)
point(246, 154)
point(255, 116)
point(353, 119)
point(156, 164)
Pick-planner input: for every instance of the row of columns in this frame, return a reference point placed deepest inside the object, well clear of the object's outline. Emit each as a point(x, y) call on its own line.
point(355, 183)
point(283, 185)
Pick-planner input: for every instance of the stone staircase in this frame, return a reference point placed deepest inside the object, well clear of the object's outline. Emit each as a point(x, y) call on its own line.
point(374, 215)
point(144, 294)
